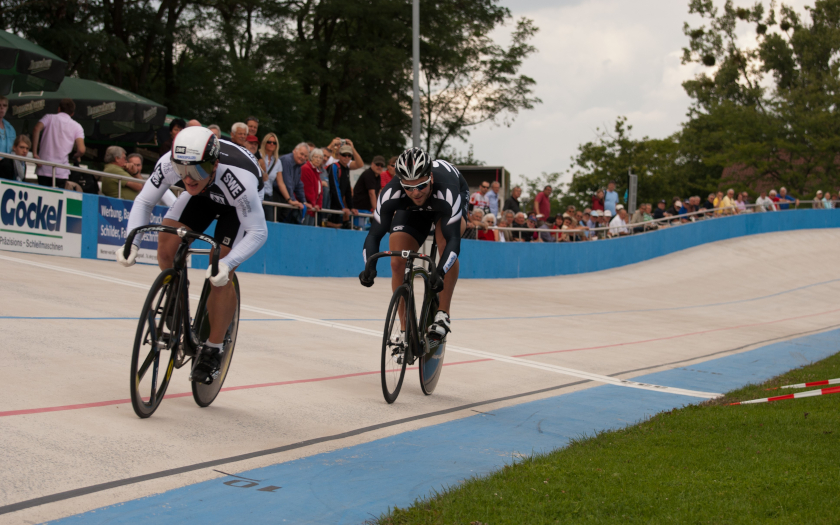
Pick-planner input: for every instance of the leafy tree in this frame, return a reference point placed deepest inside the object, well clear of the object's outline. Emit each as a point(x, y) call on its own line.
point(467, 79)
point(770, 110)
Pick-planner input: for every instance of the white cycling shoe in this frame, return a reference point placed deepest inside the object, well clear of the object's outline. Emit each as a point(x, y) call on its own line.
point(440, 328)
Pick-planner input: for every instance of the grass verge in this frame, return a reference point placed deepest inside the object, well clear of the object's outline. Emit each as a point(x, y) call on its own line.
point(711, 463)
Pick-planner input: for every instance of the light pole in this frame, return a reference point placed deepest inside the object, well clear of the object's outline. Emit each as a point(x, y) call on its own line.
point(415, 106)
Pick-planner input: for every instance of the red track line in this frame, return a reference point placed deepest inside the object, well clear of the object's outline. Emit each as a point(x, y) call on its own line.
point(318, 379)
point(186, 394)
point(677, 336)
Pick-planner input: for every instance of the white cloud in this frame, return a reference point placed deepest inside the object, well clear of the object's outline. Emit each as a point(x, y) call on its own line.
point(596, 60)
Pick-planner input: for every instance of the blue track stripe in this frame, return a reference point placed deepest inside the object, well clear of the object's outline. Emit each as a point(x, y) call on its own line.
point(357, 483)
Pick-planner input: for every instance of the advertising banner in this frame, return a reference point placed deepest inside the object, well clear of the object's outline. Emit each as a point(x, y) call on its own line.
point(113, 230)
point(36, 219)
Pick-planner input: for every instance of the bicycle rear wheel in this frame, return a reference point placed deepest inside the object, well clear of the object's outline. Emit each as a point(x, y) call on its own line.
point(203, 394)
point(152, 358)
point(395, 351)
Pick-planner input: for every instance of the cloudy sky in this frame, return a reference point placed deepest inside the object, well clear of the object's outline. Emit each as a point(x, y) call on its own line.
point(596, 60)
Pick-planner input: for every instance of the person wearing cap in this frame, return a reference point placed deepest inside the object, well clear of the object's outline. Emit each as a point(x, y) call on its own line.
point(341, 193)
point(252, 144)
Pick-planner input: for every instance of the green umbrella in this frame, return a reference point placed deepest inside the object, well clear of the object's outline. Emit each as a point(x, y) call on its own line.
point(27, 67)
point(105, 112)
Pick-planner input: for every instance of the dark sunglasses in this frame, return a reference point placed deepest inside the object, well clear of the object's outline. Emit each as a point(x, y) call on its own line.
point(484, 187)
point(379, 164)
point(347, 155)
point(418, 187)
point(271, 142)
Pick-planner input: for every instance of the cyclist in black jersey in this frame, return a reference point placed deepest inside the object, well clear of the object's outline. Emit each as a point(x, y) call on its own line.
point(423, 195)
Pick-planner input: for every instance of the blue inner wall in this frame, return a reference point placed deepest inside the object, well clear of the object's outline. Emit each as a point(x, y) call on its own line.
point(324, 252)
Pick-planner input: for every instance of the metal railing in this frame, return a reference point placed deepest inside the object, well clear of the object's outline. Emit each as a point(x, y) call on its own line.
point(102, 174)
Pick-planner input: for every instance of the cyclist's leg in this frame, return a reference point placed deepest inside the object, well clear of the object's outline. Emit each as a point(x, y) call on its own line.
point(221, 306)
point(168, 244)
point(452, 275)
point(397, 242)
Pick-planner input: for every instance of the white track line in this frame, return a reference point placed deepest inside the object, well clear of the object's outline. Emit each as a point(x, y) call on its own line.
point(365, 331)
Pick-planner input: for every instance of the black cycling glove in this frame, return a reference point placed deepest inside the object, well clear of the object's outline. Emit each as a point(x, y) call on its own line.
point(436, 281)
point(367, 277)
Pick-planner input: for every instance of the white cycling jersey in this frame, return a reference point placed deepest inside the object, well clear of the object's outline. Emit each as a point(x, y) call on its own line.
point(236, 184)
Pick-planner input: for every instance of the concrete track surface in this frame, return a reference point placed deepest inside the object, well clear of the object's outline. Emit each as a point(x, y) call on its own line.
point(307, 359)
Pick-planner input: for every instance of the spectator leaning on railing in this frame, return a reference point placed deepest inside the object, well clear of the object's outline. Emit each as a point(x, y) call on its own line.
point(115, 162)
point(488, 221)
point(367, 189)
point(764, 203)
point(310, 174)
point(827, 202)
point(270, 167)
point(11, 169)
point(785, 199)
point(61, 135)
point(291, 191)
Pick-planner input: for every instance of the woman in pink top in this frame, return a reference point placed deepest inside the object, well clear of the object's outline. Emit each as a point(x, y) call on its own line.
point(310, 175)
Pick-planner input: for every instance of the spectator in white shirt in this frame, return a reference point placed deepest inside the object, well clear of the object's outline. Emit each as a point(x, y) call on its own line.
point(618, 225)
point(764, 203)
point(479, 198)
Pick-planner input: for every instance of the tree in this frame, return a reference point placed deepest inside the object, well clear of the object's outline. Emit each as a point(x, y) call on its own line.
point(788, 133)
point(467, 79)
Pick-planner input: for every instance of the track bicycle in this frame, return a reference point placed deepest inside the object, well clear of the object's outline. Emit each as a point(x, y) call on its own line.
point(396, 353)
point(167, 338)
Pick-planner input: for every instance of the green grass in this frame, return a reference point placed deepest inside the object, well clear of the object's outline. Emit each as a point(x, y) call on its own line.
point(713, 463)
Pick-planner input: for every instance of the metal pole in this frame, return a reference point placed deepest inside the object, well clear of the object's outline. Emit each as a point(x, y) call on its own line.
point(633, 191)
point(415, 108)
point(53, 172)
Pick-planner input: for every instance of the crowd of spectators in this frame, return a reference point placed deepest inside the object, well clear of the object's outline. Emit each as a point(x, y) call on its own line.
point(315, 184)
point(607, 217)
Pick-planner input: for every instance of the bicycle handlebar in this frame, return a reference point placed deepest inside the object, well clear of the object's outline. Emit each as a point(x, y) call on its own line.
point(405, 254)
point(184, 234)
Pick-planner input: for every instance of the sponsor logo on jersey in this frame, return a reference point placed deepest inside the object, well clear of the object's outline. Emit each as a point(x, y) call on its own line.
point(226, 241)
point(157, 177)
point(450, 261)
point(233, 185)
point(218, 197)
point(398, 228)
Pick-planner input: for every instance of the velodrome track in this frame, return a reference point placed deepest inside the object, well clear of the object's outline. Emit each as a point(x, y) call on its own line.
point(305, 384)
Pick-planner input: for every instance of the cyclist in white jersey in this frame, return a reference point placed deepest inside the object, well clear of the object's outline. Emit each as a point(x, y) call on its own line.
point(222, 182)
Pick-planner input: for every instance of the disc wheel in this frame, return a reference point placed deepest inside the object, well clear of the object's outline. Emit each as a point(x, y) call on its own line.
point(203, 394)
point(394, 354)
point(152, 359)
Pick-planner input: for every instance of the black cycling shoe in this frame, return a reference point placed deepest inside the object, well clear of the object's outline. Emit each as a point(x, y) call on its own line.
point(207, 366)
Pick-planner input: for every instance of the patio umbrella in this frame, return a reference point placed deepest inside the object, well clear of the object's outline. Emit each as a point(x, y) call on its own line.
point(25, 66)
point(105, 112)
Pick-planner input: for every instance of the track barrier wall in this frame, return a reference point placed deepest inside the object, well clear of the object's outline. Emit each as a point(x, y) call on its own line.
point(324, 252)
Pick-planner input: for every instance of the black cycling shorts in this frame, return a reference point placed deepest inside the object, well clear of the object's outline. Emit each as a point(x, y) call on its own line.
point(418, 224)
point(197, 212)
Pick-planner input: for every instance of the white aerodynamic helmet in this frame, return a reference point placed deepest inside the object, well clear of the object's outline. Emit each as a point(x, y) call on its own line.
point(413, 163)
point(195, 151)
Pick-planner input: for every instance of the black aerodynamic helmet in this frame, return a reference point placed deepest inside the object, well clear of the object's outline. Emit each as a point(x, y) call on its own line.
point(413, 163)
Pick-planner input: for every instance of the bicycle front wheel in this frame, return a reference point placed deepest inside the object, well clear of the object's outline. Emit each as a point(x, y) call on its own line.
point(395, 346)
point(203, 394)
point(152, 359)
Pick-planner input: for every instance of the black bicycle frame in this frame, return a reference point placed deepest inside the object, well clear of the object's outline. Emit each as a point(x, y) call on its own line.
point(411, 271)
point(182, 297)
